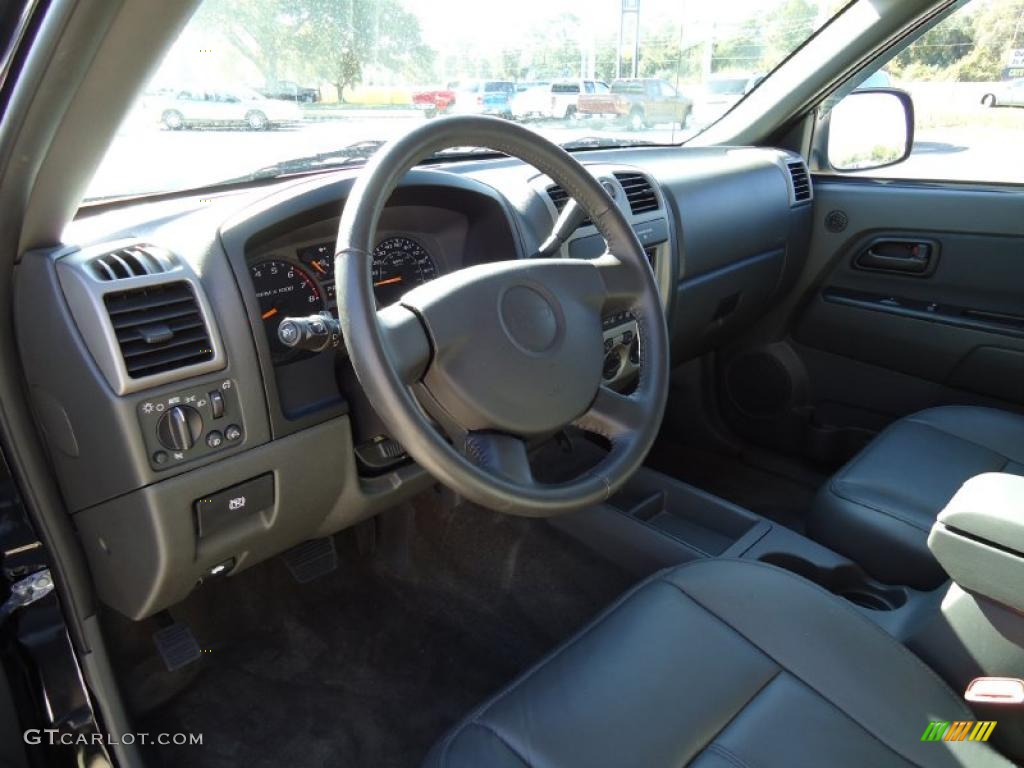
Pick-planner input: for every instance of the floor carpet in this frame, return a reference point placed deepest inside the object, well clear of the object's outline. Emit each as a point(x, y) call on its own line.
point(371, 664)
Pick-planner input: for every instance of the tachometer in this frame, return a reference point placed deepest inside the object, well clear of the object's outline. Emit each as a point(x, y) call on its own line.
point(399, 265)
point(283, 289)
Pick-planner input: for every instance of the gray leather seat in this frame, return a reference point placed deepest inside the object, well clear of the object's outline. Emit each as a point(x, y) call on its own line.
point(878, 509)
point(720, 664)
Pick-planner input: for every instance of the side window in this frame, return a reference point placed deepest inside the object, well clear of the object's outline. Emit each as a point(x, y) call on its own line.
point(588, 86)
point(667, 91)
point(966, 79)
point(600, 87)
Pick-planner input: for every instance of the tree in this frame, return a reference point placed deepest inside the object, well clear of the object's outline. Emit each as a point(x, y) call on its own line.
point(997, 27)
point(263, 31)
point(343, 37)
point(333, 40)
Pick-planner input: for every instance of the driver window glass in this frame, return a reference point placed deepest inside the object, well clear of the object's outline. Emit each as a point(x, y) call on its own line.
point(966, 79)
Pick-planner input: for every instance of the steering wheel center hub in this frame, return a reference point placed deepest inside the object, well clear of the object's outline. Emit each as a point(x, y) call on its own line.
point(531, 320)
point(517, 345)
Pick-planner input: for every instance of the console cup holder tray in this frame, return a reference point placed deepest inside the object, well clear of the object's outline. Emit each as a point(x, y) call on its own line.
point(846, 580)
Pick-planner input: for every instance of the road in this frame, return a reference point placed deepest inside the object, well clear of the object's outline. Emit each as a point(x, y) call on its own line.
point(147, 158)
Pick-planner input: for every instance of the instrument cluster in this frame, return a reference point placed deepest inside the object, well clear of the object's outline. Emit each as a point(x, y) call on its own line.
point(301, 283)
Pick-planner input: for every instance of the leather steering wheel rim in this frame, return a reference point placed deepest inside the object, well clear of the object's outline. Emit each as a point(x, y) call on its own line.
point(395, 348)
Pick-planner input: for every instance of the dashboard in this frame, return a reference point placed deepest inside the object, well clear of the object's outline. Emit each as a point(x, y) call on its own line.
point(190, 443)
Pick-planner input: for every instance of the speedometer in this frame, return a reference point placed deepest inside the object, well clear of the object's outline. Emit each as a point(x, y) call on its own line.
point(283, 289)
point(399, 265)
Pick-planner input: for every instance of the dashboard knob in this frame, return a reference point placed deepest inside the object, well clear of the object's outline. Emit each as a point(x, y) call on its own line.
point(179, 428)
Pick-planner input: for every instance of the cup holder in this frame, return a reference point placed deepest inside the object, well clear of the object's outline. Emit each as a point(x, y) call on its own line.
point(847, 581)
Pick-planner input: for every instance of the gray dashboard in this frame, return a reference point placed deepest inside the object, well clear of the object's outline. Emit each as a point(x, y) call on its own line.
point(187, 447)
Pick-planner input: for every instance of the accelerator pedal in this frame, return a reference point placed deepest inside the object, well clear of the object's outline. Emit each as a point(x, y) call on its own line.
point(311, 559)
point(177, 646)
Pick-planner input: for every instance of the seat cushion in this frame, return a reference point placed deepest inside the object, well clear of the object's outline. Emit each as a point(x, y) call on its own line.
point(720, 664)
point(878, 509)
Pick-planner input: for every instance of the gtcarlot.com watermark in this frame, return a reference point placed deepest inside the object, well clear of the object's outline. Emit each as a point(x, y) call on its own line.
point(54, 737)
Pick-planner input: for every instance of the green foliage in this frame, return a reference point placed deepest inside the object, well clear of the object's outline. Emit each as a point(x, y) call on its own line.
point(759, 44)
point(332, 41)
point(263, 31)
point(998, 27)
point(971, 45)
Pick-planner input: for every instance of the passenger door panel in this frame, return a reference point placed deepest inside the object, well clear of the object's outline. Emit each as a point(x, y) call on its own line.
point(880, 343)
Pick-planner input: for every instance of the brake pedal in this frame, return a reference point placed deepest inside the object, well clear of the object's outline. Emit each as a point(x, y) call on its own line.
point(311, 559)
point(177, 646)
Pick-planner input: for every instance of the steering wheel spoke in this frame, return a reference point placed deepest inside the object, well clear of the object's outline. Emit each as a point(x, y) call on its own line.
point(406, 341)
point(500, 454)
point(613, 415)
point(623, 282)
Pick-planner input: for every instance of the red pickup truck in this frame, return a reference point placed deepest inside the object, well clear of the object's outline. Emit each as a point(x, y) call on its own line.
point(434, 102)
point(640, 101)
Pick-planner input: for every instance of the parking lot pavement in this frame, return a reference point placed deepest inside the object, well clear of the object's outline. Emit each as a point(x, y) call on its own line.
point(147, 158)
point(969, 154)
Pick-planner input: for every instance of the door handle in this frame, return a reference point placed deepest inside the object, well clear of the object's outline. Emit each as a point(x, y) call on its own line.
point(911, 257)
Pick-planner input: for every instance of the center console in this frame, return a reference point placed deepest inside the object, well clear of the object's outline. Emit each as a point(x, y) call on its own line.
point(656, 521)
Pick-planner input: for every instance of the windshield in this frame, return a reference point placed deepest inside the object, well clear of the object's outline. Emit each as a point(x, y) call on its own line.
point(259, 88)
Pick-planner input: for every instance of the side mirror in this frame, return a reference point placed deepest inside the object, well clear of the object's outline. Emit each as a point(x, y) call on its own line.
point(870, 128)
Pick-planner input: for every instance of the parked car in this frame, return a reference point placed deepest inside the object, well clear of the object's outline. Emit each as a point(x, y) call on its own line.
point(483, 97)
point(531, 101)
point(640, 101)
point(1006, 94)
point(559, 99)
point(192, 108)
point(288, 90)
point(720, 93)
point(433, 102)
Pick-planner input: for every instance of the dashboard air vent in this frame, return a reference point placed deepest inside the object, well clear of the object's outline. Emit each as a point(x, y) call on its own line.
point(133, 261)
point(801, 181)
point(159, 328)
point(560, 197)
point(639, 192)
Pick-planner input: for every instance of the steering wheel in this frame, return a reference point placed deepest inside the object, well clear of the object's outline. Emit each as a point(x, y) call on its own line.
point(503, 352)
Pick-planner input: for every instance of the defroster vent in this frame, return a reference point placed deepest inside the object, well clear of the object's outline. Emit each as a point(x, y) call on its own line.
point(159, 328)
point(133, 261)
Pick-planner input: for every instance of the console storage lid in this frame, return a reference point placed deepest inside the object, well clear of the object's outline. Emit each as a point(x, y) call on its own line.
point(979, 538)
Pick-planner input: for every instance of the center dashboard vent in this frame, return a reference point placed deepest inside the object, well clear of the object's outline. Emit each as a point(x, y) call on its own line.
point(801, 181)
point(639, 192)
point(559, 197)
point(133, 261)
point(159, 328)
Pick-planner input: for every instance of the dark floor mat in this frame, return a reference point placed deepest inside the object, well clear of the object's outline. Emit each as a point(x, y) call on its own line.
point(777, 496)
point(369, 665)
